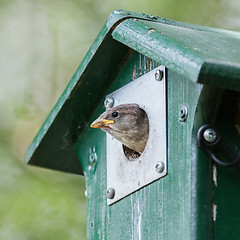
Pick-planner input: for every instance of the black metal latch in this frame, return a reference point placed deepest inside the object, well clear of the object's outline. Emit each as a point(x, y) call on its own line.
point(209, 139)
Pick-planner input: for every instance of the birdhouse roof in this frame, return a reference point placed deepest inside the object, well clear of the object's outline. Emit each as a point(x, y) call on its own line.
point(201, 54)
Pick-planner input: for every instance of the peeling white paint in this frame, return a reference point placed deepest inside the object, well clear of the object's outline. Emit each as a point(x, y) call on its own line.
point(214, 210)
point(137, 222)
point(215, 175)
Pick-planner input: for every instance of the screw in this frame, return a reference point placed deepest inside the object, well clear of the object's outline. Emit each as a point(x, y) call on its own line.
point(159, 167)
point(108, 103)
point(183, 114)
point(110, 193)
point(210, 135)
point(158, 75)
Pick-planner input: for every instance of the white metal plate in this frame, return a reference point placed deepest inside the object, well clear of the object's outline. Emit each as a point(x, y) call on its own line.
point(126, 176)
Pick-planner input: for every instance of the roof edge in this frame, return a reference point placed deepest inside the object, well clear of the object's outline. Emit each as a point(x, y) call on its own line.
point(52, 135)
point(113, 20)
point(159, 47)
point(227, 77)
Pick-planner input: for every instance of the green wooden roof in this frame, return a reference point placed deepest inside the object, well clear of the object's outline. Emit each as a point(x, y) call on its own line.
point(201, 54)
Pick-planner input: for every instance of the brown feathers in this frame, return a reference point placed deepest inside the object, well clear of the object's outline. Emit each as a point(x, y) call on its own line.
point(127, 123)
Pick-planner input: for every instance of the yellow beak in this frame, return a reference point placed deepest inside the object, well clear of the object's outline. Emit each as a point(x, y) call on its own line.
point(100, 123)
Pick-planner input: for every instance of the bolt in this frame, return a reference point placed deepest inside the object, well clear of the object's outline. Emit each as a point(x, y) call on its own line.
point(110, 193)
point(183, 114)
point(159, 167)
point(108, 103)
point(158, 75)
point(210, 135)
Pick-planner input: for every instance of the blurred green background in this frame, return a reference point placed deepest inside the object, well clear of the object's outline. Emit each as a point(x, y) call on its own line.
point(42, 43)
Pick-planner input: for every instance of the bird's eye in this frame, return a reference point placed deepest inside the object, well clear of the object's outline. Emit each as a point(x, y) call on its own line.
point(115, 114)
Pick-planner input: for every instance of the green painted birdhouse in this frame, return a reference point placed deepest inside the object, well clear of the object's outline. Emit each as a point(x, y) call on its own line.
point(186, 183)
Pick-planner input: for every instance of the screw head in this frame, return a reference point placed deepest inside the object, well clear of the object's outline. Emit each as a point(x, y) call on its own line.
point(110, 193)
point(158, 75)
point(108, 103)
point(159, 167)
point(183, 114)
point(210, 135)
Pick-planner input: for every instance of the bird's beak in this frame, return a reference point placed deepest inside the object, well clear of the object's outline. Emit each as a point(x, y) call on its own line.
point(101, 123)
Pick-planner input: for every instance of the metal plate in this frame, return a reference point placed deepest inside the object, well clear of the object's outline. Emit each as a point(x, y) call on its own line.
point(123, 175)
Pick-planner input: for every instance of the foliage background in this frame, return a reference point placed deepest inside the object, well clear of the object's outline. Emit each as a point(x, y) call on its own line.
point(42, 43)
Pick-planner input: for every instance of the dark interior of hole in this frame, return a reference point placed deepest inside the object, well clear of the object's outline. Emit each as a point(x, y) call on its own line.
point(130, 154)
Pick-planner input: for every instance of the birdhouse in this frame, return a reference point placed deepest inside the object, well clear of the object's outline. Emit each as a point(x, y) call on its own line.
point(186, 78)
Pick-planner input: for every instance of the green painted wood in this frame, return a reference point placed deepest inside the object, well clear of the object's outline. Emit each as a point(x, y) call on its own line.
point(227, 190)
point(201, 170)
point(178, 206)
point(201, 54)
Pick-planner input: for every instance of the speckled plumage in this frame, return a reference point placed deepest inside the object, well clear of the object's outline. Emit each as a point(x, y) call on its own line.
point(128, 123)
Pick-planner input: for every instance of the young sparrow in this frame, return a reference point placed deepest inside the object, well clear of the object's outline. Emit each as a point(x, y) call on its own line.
point(128, 123)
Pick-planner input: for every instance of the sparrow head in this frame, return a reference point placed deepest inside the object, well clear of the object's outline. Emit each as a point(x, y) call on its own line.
point(128, 123)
